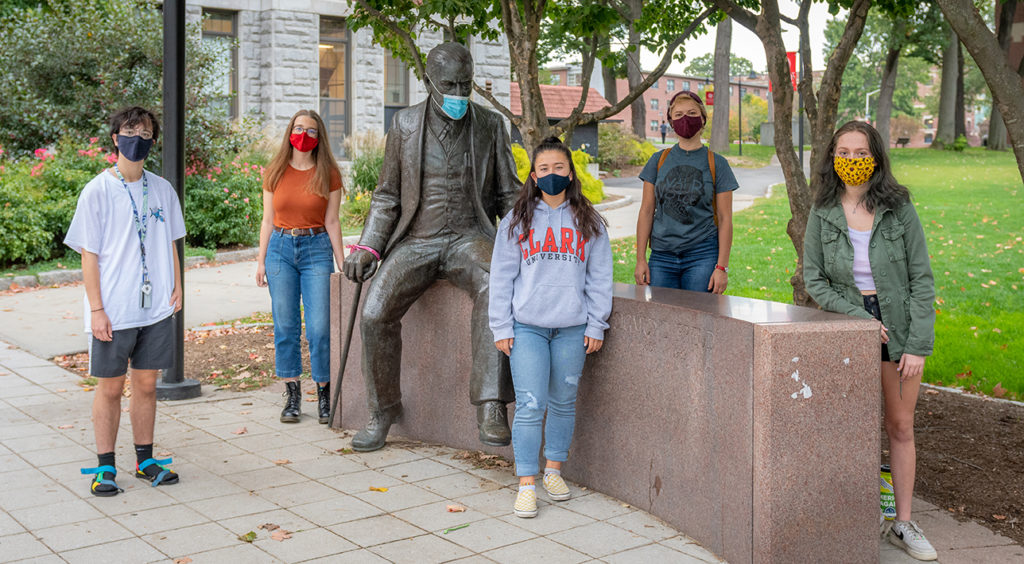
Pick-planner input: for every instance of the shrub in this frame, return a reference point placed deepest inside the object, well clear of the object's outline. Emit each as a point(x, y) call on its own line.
point(224, 205)
point(616, 147)
point(522, 161)
point(366, 148)
point(22, 236)
point(593, 189)
point(355, 209)
point(642, 152)
point(959, 144)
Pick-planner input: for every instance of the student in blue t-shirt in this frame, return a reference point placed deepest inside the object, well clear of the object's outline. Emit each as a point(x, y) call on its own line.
point(686, 211)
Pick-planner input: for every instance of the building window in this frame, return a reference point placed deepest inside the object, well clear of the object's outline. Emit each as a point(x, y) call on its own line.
point(219, 29)
point(686, 85)
point(654, 104)
point(556, 79)
point(654, 125)
point(655, 85)
point(730, 90)
point(333, 49)
point(396, 89)
point(670, 84)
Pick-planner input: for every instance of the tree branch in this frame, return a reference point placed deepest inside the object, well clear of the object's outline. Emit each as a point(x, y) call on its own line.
point(588, 69)
point(407, 39)
point(844, 49)
point(806, 84)
point(654, 75)
point(741, 15)
point(497, 105)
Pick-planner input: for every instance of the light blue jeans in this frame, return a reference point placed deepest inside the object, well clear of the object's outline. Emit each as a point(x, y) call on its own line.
point(546, 369)
point(691, 271)
point(300, 268)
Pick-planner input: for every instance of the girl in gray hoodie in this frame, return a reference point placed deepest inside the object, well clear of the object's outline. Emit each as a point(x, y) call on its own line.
point(550, 298)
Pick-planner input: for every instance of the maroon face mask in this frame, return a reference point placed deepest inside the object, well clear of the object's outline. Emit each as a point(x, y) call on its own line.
point(688, 126)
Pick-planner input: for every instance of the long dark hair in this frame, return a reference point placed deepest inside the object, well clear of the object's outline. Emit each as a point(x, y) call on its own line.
point(883, 190)
point(588, 221)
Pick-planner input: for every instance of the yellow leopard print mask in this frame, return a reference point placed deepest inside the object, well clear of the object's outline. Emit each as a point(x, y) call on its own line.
point(854, 172)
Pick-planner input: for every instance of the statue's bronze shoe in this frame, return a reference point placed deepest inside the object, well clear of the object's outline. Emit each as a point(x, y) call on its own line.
point(492, 420)
point(373, 436)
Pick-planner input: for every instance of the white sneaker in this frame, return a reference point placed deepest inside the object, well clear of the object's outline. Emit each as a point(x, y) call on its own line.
point(908, 536)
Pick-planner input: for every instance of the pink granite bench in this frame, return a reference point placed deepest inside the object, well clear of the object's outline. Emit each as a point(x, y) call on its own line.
point(750, 426)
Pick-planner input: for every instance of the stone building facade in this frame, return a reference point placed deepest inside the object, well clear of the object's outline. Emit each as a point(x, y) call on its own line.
point(288, 55)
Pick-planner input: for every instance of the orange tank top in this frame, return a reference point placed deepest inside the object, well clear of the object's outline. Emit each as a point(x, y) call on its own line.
point(296, 207)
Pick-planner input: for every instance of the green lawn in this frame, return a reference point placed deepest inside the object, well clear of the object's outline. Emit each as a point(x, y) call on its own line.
point(970, 205)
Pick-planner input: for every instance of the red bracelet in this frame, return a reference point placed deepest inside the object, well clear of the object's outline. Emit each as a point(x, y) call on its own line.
point(724, 269)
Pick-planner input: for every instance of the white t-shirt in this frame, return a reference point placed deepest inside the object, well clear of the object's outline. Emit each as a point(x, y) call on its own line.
point(104, 225)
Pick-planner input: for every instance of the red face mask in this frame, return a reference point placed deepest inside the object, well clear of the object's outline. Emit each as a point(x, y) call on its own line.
point(303, 142)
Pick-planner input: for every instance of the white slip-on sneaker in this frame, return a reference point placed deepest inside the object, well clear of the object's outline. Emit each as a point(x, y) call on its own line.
point(908, 536)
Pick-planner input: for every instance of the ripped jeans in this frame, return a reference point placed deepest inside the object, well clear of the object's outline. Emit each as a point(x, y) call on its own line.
point(546, 369)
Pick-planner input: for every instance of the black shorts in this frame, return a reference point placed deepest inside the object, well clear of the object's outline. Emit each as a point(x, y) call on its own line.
point(149, 348)
point(871, 305)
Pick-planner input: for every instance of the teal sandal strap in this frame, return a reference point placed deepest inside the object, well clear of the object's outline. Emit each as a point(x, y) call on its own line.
point(99, 471)
point(163, 471)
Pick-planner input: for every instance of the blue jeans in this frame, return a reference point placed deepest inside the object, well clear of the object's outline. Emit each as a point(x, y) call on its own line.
point(301, 267)
point(546, 369)
point(692, 271)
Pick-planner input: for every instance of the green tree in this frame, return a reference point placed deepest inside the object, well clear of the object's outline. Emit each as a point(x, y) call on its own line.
point(584, 26)
point(69, 64)
point(704, 65)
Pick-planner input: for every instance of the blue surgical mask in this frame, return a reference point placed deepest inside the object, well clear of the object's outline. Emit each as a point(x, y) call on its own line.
point(553, 184)
point(134, 148)
point(454, 107)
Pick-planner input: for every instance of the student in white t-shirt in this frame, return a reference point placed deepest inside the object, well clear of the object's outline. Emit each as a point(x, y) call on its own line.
point(124, 227)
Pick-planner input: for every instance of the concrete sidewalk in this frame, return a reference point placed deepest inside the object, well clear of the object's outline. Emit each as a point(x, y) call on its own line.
point(294, 476)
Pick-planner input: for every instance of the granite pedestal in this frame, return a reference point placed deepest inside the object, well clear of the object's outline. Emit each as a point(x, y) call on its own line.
point(751, 426)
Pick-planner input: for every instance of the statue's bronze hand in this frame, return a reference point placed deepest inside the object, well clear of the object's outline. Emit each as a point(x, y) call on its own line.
point(359, 266)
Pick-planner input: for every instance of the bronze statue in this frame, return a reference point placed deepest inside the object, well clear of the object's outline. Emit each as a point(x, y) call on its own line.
point(448, 176)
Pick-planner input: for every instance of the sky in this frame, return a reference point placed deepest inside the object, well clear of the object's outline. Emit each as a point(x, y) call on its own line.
point(747, 45)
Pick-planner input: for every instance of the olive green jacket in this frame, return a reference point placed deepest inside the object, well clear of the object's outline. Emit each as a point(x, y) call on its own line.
point(899, 264)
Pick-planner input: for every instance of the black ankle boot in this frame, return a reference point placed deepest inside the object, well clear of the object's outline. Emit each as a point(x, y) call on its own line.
point(323, 396)
point(293, 395)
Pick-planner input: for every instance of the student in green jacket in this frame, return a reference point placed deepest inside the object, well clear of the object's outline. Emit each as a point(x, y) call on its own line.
point(865, 255)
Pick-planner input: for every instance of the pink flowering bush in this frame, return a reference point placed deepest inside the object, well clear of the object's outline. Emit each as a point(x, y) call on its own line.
point(224, 203)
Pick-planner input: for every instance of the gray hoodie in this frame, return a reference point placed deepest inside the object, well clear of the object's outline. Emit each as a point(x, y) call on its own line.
point(554, 278)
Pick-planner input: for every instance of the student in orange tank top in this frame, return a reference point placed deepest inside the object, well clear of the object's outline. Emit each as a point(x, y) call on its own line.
point(300, 241)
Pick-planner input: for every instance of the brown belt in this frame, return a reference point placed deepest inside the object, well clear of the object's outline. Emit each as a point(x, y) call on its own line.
point(301, 231)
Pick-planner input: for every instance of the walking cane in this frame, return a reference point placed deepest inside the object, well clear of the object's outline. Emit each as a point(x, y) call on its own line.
point(344, 351)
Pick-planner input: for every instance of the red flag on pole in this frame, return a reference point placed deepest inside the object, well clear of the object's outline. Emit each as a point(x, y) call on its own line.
point(791, 55)
point(709, 98)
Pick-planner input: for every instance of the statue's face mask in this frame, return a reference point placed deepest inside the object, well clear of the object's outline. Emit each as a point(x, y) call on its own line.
point(451, 86)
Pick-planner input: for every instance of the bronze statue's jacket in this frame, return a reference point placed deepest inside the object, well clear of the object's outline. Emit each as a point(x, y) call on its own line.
point(397, 196)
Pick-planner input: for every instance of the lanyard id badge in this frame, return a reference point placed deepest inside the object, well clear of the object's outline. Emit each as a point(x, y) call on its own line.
point(141, 227)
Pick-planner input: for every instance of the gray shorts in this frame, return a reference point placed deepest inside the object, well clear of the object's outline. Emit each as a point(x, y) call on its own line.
point(149, 348)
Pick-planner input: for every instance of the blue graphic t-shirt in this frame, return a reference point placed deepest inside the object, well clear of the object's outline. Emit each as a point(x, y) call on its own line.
point(683, 191)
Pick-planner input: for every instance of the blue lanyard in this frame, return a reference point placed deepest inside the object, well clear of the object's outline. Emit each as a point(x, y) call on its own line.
point(140, 224)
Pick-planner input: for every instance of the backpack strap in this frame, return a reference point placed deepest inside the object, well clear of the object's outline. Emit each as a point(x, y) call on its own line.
point(714, 193)
point(661, 160)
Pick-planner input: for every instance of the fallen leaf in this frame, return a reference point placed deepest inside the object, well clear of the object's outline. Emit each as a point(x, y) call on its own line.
point(998, 517)
point(269, 526)
point(376, 489)
point(164, 453)
point(240, 431)
point(182, 560)
point(282, 461)
point(248, 537)
point(243, 375)
point(65, 426)
point(244, 412)
point(280, 535)
point(456, 508)
point(932, 392)
point(999, 391)
point(310, 399)
point(61, 390)
point(223, 347)
point(345, 450)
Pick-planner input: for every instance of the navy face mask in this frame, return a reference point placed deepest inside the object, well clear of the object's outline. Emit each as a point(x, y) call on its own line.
point(553, 184)
point(134, 148)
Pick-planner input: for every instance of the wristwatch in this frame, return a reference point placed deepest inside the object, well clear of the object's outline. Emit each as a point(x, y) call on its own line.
point(724, 269)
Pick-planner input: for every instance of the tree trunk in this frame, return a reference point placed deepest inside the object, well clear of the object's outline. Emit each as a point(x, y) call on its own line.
point(720, 123)
point(1003, 80)
point(946, 131)
point(611, 92)
point(634, 74)
point(961, 111)
point(1004, 22)
point(892, 59)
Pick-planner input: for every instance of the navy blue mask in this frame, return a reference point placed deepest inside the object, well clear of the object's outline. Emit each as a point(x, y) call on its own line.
point(553, 184)
point(134, 148)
